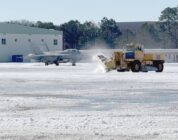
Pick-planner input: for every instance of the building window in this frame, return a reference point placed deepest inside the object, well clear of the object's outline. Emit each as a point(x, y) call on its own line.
point(3, 41)
point(169, 56)
point(15, 39)
point(29, 40)
point(55, 42)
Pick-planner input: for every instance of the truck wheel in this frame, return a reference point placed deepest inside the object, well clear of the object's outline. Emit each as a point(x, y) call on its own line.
point(135, 66)
point(160, 67)
point(121, 70)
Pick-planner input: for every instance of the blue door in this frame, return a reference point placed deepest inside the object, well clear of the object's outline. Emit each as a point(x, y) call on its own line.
point(17, 58)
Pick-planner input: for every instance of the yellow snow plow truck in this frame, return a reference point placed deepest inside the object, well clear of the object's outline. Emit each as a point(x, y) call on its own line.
point(135, 59)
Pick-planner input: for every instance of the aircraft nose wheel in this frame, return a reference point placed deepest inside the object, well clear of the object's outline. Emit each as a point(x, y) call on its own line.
point(73, 64)
point(46, 63)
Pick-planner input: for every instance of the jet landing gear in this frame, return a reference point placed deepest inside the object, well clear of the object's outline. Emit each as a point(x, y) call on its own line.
point(73, 63)
point(56, 63)
point(46, 63)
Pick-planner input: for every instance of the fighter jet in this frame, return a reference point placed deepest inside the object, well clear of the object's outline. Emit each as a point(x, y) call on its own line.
point(56, 57)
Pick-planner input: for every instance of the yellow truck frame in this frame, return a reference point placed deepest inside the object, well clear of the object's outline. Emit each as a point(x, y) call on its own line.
point(135, 60)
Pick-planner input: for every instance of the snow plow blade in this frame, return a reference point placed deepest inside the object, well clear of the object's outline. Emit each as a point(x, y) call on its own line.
point(109, 64)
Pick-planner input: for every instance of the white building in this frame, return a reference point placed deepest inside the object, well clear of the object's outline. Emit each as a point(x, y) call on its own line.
point(18, 40)
point(171, 55)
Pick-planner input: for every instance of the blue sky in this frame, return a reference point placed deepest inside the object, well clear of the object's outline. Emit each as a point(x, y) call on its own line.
point(60, 11)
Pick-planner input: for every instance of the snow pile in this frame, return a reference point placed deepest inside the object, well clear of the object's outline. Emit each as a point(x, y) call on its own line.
point(100, 66)
point(100, 69)
point(72, 103)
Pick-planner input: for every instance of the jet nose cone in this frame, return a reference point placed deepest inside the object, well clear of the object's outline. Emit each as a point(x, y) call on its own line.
point(31, 55)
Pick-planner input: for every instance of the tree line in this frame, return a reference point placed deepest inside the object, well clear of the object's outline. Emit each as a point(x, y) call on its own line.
point(80, 35)
point(161, 34)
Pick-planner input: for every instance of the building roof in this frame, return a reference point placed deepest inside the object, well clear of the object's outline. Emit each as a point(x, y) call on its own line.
point(8, 28)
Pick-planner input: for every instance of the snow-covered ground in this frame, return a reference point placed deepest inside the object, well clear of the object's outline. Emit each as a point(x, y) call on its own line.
point(84, 103)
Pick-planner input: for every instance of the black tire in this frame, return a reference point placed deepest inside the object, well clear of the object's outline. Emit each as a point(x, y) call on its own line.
point(159, 66)
point(136, 66)
point(121, 70)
